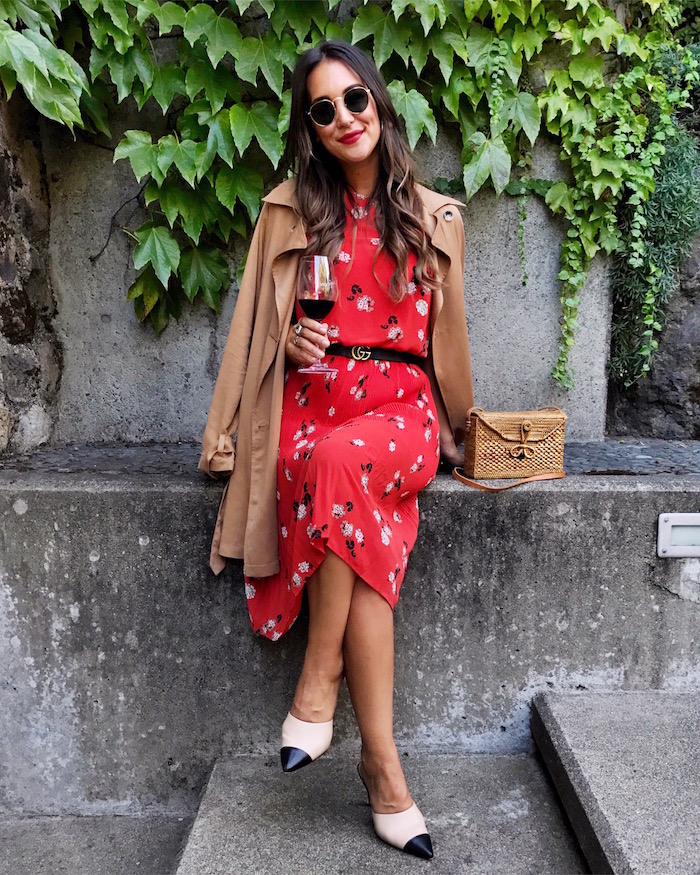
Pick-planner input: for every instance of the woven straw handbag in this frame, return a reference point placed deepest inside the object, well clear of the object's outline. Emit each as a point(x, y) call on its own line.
point(504, 445)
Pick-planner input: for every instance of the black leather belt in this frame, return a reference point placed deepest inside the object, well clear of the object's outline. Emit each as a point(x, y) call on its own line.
point(364, 353)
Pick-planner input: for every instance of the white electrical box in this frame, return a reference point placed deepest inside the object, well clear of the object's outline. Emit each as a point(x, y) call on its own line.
point(679, 535)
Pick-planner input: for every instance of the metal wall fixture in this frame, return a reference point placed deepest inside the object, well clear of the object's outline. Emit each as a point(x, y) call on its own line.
point(678, 535)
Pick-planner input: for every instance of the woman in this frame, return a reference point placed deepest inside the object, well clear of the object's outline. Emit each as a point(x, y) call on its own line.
point(322, 495)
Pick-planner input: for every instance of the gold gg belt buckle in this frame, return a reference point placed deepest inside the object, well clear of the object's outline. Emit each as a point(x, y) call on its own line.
point(361, 353)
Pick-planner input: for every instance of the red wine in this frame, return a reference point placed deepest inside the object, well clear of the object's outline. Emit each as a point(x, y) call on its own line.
point(316, 309)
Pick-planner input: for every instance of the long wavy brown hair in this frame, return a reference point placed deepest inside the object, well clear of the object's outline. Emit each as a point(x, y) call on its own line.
point(321, 184)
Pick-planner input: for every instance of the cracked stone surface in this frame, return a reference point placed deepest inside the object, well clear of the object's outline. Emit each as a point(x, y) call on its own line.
point(30, 355)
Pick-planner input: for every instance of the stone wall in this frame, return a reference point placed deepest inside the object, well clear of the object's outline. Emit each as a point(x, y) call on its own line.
point(122, 383)
point(128, 668)
point(30, 356)
point(78, 367)
point(666, 404)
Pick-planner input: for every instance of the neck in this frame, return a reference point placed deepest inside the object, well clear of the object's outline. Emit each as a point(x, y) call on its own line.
point(362, 177)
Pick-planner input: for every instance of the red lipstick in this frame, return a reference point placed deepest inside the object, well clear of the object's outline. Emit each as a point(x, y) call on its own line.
point(351, 138)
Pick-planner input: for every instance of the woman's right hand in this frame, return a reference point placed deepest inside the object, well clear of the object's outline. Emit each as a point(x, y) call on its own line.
point(448, 450)
point(306, 341)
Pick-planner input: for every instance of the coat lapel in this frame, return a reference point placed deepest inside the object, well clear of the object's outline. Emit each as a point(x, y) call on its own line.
point(284, 264)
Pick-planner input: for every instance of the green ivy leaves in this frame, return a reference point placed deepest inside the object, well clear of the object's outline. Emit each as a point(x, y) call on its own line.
point(157, 247)
point(388, 34)
point(145, 292)
point(228, 131)
point(415, 111)
point(259, 121)
point(499, 69)
point(219, 34)
point(206, 270)
point(137, 147)
point(491, 160)
point(52, 81)
point(240, 184)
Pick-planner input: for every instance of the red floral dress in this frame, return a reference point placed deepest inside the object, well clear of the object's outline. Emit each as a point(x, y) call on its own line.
point(355, 447)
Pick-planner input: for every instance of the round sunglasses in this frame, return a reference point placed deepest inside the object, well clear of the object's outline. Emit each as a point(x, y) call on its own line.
point(355, 99)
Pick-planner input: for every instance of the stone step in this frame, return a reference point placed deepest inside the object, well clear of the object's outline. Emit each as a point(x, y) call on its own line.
point(486, 814)
point(627, 768)
point(108, 845)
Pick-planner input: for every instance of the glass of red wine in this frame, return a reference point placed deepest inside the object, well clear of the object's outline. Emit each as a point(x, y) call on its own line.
point(317, 292)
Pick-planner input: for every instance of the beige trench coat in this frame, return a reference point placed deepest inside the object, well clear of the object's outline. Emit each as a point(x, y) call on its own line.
point(247, 402)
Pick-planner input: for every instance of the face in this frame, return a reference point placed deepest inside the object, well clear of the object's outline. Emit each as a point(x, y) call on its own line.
point(350, 138)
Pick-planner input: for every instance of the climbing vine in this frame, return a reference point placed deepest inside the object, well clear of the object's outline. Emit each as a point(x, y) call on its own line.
point(659, 231)
point(522, 216)
point(499, 71)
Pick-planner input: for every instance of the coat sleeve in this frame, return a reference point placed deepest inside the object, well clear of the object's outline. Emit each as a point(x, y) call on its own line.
point(449, 365)
point(218, 452)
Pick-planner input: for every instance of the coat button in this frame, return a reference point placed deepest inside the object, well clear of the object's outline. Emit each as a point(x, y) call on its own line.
point(448, 215)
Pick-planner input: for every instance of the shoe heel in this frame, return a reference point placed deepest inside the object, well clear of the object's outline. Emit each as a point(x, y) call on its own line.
point(359, 765)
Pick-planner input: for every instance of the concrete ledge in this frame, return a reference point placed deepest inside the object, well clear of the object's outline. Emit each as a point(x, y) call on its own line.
point(129, 668)
point(627, 770)
point(613, 456)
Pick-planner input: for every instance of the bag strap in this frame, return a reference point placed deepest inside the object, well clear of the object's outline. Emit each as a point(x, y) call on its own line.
point(469, 415)
point(456, 473)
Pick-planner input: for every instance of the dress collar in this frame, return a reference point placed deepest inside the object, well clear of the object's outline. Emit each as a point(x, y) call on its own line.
point(358, 205)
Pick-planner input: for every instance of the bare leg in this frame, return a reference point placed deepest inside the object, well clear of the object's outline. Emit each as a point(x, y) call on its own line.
point(330, 593)
point(369, 667)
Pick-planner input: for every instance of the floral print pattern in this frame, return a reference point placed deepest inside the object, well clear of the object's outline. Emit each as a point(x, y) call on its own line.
point(355, 447)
